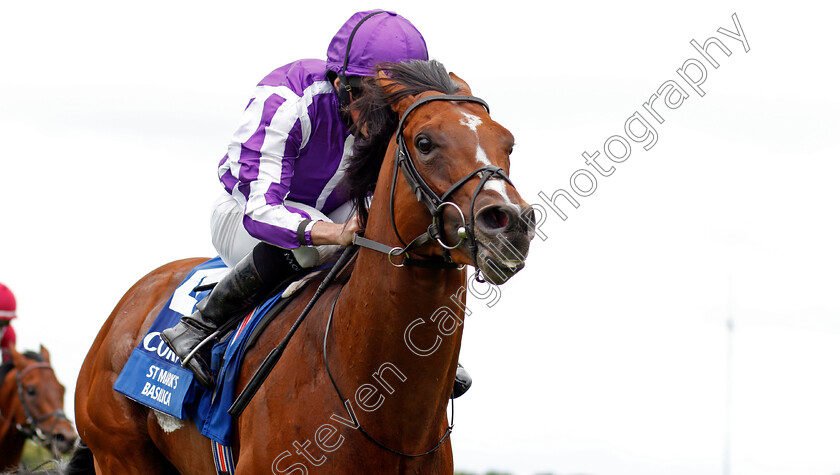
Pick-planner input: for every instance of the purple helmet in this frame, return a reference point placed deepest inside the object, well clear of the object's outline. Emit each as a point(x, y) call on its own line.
point(372, 37)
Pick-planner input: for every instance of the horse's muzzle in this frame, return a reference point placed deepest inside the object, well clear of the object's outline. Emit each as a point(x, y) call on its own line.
point(503, 237)
point(64, 441)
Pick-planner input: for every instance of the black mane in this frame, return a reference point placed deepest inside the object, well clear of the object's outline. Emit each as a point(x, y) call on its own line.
point(377, 121)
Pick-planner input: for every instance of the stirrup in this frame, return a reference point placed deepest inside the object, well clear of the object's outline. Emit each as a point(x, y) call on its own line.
point(195, 350)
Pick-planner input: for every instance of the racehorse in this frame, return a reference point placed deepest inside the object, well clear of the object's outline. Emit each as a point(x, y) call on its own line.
point(31, 407)
point(364, 384)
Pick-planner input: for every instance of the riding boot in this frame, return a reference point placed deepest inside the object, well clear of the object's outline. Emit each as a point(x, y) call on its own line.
point(463, 381)
point(247, 283)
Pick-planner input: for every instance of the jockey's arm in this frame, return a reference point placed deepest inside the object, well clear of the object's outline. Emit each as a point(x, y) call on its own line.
point(8, 337)
point(335, 233)
point(261, 162)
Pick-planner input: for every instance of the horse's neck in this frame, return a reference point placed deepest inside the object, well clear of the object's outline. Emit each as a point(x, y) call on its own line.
point(386, 334)
point(9, 400)
point(386, 300)
point(8, 392)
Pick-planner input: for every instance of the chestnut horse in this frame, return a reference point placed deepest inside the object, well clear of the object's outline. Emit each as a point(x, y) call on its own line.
point(32, 407)
point(390, 335)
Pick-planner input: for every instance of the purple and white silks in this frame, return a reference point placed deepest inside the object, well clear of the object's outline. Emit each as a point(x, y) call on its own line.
point(291, 145)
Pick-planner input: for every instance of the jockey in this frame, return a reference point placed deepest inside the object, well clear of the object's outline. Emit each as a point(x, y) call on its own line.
point(8, 307)
point(283, 209)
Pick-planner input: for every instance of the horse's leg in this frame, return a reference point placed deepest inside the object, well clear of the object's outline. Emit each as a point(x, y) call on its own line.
point(115, 428)
point(181, 443)
point(140, 460)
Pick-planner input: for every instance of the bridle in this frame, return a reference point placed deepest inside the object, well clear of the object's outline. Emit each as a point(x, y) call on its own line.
point(434, 203)
point(446, 433)
point(31, 427)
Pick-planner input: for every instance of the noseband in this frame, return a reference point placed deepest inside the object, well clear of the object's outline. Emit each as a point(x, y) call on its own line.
point(434, 203)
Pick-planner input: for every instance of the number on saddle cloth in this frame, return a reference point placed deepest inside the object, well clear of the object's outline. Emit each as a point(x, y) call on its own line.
point(154, 377)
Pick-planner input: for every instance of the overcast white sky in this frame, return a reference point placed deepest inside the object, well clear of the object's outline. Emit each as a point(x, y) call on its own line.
point(607, 354)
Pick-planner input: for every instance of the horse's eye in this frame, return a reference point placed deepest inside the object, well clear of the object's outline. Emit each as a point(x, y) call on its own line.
point(424, 145)
point(30, 390)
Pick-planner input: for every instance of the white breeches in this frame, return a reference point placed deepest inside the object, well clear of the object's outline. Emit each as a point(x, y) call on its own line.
point(233, 242)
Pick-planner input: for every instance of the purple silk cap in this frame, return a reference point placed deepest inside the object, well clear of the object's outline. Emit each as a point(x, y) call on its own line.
point(381, 36)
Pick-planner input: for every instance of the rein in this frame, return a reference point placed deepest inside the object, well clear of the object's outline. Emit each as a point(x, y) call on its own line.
point(32, 429)
point(353, 416)
point(256, 381)
point(434, 203)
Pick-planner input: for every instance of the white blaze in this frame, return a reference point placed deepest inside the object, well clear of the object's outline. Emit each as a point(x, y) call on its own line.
point(481, 156)
point(500, 186)
point(494, 184)
point(471, 121)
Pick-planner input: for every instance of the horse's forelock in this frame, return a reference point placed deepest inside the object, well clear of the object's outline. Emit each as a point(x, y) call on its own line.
point(416, 77)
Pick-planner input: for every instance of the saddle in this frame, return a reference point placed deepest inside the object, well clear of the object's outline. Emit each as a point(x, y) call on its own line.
point(153, 376)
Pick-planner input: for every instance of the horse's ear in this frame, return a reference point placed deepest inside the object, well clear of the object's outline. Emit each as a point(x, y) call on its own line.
point(45, 353)
point(462, 85)
point(390, 86)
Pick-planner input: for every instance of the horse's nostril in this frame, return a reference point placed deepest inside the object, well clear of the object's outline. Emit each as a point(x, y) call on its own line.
point(58, 438)
point(493, 219)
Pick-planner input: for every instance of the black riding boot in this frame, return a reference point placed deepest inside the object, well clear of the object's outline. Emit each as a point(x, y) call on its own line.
point(463, 381)
point(247, 283)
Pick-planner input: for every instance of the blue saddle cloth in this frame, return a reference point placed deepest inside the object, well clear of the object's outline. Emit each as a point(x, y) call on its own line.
point(154, 377)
